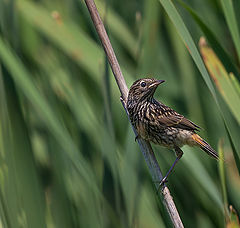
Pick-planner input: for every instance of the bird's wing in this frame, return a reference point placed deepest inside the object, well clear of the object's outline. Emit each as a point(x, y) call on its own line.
point(167, 117)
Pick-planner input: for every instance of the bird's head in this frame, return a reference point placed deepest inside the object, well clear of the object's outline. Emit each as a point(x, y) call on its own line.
point(143, 89)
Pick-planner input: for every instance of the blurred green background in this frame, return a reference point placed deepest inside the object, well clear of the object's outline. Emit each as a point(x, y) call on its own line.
point(67, 152)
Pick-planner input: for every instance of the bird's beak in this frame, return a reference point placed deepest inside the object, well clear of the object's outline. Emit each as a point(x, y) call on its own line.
point(156, 83)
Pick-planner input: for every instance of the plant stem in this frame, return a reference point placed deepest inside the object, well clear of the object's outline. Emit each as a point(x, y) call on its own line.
point(144, 145)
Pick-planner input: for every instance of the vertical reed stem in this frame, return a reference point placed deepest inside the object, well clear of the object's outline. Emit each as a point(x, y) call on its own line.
point(144, 146)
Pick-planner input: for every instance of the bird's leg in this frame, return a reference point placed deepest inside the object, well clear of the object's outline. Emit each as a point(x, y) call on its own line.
point(137, 137)
point(179, 154)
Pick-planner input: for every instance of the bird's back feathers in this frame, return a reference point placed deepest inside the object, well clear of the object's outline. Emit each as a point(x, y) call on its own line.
point(170, 118)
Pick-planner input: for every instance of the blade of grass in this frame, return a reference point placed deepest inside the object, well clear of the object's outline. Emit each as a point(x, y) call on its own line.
point(74, 160)
point(220, 52)
point(235, 152)
point(235, 83)
point(68, 37)
point(148, 63)
point(187, 39)
point(234, 218)
point(65, 35)
point(3, 212)
point(119, 29)
point(148, 215)
point(60, 207)
point(186, 71)
point(221, 78)
point(202, 176)
point(129, 175)
point(74, 93)
point(221, 170)
point(21, 191)
point(69, 93)
point(25, 83)
point(226, 88)
point(229, 13)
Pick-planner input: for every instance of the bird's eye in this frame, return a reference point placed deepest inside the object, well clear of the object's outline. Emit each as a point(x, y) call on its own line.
point(143, 84)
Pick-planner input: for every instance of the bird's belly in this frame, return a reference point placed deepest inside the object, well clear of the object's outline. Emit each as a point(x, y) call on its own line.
point(184, 137)
point(171, 137)
point(142, 131)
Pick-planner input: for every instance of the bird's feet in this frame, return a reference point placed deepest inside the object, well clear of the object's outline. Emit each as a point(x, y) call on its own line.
point(162, 183)
point(137, 137)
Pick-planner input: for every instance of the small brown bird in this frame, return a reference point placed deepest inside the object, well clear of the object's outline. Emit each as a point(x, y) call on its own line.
point(157, 123)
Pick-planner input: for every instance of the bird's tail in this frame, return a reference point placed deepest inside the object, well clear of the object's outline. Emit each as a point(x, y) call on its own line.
point(205, 146)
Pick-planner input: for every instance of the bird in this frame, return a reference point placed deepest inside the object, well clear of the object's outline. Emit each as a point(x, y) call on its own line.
point(157, 123)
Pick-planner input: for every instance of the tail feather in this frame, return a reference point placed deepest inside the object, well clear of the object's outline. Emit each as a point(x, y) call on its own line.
point(205, 146)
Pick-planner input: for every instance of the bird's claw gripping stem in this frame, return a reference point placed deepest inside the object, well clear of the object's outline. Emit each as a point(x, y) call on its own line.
point(162, 183)
point(137, 137)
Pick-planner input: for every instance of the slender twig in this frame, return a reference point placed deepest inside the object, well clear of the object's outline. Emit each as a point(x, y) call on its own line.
point(144, 145)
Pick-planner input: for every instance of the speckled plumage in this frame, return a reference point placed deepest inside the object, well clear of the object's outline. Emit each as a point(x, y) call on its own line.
point(158, 123)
